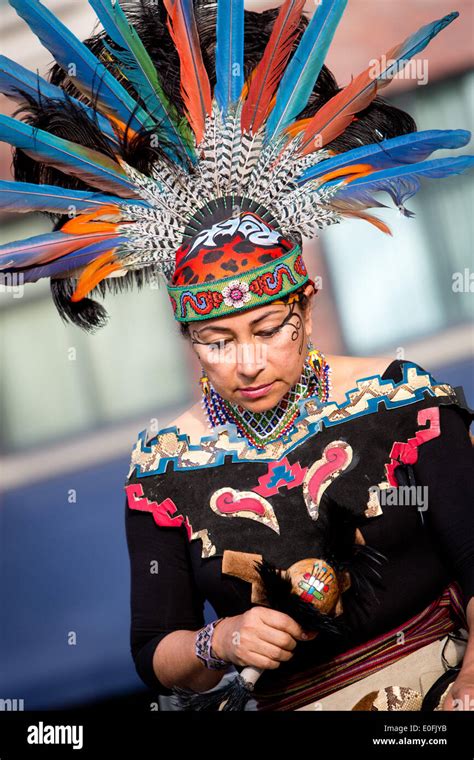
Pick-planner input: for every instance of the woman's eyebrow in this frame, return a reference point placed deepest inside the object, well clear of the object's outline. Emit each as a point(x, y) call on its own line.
point(212, 327)
point(228, 329)
point(264, 316)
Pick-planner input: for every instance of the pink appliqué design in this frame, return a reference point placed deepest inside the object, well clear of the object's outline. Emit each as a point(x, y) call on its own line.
point(229, 502)
point(161, 512)
point(335, 458)
point(407, 453)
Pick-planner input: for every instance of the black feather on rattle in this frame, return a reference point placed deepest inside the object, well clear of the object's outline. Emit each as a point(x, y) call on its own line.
point(281, 596)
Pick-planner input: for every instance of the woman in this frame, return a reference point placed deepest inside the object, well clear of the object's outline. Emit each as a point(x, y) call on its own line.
point(165, 150)
point(167, 606)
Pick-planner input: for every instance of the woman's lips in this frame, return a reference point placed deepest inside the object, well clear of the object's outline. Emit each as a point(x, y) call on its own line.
point(257, 392)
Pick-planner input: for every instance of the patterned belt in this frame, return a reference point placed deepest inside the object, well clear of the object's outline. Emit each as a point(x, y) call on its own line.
point(440, 617)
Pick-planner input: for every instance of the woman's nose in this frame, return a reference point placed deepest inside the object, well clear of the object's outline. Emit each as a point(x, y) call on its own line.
point(251, 358)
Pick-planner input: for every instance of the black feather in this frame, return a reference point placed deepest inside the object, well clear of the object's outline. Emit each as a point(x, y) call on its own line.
point(63, 119)
point(85, 313)
point(280, 596)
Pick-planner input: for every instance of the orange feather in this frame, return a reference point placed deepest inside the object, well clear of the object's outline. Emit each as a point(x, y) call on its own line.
point(269, 70)
point(357, 170)
point(195, 85)
point(119, 126)
point(84, 223)
point(368, 218)
point(335, 116)
point(294, 129)
point(94, 273)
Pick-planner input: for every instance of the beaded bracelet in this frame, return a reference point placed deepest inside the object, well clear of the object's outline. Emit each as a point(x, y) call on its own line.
point(203, 647)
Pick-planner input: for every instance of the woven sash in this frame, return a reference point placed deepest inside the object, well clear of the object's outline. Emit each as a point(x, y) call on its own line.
point(440, 617)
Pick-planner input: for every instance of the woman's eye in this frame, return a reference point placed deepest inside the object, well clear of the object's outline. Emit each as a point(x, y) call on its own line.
point(218, 344)
point(268, 333)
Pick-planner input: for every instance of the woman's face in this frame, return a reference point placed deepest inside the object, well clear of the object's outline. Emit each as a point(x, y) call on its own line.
point(264, 346)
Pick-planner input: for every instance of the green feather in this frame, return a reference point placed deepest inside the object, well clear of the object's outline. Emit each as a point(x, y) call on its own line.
point(141, 72)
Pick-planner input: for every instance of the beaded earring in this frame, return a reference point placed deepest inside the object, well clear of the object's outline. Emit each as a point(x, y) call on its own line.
point(321, 369)
point(314, 357)
point(204, 383)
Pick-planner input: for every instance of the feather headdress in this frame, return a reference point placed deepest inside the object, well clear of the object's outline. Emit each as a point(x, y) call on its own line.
point(157, 159)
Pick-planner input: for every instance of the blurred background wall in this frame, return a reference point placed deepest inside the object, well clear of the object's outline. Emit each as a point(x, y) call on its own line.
point(72, 404)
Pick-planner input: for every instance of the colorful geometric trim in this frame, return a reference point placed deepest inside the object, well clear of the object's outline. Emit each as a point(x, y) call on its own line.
point(172, 445)
point(247, 290)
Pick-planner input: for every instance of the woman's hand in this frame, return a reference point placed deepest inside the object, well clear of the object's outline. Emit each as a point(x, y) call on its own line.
point(261, 637)
point(461, 693)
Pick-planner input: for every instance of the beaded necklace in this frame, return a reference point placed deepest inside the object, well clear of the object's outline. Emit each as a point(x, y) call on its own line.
point(260, 428)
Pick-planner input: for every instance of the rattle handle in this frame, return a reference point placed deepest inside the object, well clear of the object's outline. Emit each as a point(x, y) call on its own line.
point(250, 675)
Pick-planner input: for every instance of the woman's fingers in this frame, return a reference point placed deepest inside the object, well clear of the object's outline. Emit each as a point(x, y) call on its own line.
point(281, 622)
point(266, 638)
point(271, 651)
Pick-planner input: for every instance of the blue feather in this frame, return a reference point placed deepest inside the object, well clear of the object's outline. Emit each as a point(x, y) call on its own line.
point(400, 182)
point(415, 44)
point(48, 247)
point(229, 52)
point(63, 266)
point(15, 79)
point(141, 72)
point(23, 197)
point(335, 116)
point(305, 66)
point(404, 149)
point(88, 73)
point(90, 166)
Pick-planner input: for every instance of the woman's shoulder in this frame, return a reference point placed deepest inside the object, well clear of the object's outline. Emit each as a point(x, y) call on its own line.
point(192, 423)
point(346, 371)
point(352, 368)
point(153, 448)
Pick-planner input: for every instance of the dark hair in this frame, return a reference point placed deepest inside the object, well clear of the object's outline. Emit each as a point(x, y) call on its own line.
point(67, 120)
point(303, 303)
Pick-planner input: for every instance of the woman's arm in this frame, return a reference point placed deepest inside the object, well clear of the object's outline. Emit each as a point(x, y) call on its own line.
point(165, 604)
point(261, 637)
point(468, 663)
point(175, 663)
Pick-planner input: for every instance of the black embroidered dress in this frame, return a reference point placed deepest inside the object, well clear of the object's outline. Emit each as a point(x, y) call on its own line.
point(204, 512)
